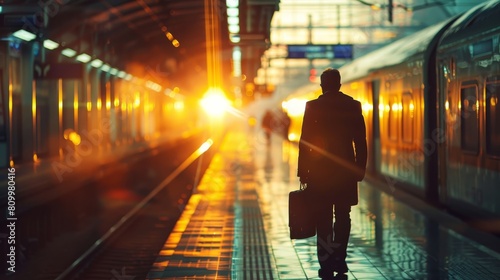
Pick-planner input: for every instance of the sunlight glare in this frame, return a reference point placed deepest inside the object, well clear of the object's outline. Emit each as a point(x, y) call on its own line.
point(215, 102)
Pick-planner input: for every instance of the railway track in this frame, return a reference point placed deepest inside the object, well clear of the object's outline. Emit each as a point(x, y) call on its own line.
point(129, 248)
point(132, 212)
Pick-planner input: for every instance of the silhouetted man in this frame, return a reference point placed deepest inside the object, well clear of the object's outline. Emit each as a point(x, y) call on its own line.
point(332, 159)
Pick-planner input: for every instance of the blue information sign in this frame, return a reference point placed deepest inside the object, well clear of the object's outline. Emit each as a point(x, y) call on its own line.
point(320, 51)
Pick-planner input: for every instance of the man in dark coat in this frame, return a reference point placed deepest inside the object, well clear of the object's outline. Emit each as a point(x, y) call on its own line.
point(332, 160)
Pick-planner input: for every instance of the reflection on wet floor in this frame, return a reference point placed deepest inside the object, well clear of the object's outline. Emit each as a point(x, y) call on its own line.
point(235, 226)
point(389, 240)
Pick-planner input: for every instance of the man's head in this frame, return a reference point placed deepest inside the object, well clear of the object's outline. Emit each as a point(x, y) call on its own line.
point(330, 80)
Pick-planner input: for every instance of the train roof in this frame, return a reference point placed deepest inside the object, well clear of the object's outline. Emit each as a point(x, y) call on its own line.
point(474, 23)
point(392, 54)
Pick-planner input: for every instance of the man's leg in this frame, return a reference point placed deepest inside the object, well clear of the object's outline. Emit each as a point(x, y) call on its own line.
point(324, 238)
point(342, 229)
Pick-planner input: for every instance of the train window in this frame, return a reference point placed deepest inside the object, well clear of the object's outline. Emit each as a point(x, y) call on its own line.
point(484, 48)
point(469, 117)
point(493, 116)
point(407, 118)
point(393, 118)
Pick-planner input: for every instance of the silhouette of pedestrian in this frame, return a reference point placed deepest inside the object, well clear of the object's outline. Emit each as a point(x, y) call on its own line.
point(267, 122)
point(332, 159)
point(277, 122)
point(284, 124)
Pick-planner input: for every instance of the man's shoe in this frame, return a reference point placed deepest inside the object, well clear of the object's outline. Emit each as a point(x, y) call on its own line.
point(325, 274)
point(340, 266)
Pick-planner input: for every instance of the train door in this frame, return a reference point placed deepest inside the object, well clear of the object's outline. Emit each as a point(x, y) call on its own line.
point(374, 144)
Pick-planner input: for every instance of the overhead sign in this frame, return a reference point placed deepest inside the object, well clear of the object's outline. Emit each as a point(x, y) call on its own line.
point(320, 51)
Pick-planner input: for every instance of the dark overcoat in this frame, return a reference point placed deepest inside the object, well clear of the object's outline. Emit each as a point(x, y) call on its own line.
point(332, 149)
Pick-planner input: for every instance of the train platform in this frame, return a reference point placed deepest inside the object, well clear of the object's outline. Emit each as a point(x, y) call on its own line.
point(235, 226)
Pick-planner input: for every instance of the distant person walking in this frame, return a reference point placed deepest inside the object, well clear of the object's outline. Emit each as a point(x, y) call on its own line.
point(267, 122)
point(332, 159)
point(278, 122)
point(283, 122)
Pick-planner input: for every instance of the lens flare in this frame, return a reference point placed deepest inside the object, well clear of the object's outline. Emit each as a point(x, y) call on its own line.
point(215, 103)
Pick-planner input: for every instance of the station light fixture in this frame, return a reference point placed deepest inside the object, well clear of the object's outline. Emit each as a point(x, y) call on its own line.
point(84, 58)
point(49, 44)
point(237, 61)
point(113, 71)
point(171, 37)
point(68, 52)
point(96, 63)
point(235, 38)
point(128, 77)
point(232, 3)
point(122, 74)
point(234, 28)
point(105, 68)
point(233, 12)
point(152, 85)
point(233, 20)
point(24, 35)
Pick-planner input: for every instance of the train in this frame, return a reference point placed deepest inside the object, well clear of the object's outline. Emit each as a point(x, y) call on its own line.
point(431, 106)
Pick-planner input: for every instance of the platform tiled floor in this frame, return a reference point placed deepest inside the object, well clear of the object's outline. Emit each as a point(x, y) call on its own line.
point(235, 226)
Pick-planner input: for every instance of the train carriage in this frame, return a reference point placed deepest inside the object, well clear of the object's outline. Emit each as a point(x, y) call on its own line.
point(431, 102)
point(469, 85)
point(390, 81)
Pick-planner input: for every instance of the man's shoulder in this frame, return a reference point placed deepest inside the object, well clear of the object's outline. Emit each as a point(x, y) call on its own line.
point(350, 100)
point(342, 98)
point(313, 103)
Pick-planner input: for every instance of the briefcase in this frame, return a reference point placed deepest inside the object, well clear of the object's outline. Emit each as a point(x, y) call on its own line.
point(300, 218)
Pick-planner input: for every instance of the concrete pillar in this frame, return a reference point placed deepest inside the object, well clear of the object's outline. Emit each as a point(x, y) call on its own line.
point(94, 95)
point(54, 130)
point(27, 118)
point(113, 112)
point(68, 104)
point(83, 98)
